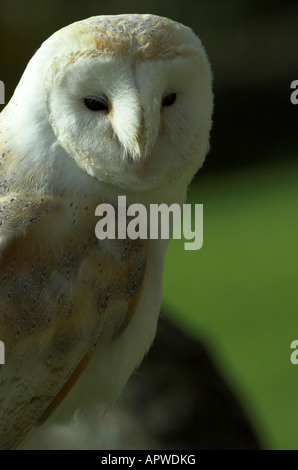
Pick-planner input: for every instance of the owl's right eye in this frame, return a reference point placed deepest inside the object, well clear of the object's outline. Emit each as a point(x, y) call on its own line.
point(95, 104)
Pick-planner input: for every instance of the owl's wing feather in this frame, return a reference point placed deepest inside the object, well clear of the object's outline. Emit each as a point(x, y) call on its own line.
point(62, 292)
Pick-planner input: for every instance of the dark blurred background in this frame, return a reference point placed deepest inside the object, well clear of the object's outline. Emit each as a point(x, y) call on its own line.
point(238, 291)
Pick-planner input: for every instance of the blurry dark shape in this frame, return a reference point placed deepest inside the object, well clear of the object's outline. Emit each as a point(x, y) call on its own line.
point(180, 401)
point(176, 400)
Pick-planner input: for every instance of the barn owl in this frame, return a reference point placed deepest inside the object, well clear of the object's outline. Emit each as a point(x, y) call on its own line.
point(107, 106)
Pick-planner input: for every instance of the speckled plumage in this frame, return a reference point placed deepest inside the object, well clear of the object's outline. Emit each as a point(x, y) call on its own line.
point(59, 297)
point(78, 314)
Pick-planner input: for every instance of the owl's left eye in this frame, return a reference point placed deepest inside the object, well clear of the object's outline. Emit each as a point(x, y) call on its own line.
point(95, 104)
point(168, 100)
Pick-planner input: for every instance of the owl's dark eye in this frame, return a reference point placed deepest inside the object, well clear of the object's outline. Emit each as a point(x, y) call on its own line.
point(169, 99)
point(96, 104)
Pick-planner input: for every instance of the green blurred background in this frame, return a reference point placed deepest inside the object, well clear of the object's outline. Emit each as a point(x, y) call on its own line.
point(239, 292)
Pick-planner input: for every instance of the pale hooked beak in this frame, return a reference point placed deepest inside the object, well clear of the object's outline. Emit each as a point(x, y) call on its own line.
point(140, 149)
point(139, 158)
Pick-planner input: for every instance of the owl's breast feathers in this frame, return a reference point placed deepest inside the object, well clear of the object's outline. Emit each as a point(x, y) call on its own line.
point(63, 293)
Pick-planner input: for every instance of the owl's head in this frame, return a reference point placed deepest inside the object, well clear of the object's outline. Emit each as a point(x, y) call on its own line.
point(128, 98)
